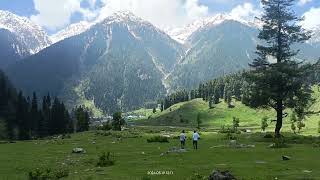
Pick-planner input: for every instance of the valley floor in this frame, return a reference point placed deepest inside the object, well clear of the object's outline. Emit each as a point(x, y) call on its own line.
point(134, 157)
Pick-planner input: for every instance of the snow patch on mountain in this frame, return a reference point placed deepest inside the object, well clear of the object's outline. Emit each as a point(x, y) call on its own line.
point(72, 30)
point(30, 34)
point(182, 34)
point(315, 35)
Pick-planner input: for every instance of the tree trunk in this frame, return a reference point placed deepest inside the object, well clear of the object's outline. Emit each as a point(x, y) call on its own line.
point(279, 119)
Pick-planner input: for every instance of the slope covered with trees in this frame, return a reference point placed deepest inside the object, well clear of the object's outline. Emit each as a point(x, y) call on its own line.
point(118, 64)
point(25, 118)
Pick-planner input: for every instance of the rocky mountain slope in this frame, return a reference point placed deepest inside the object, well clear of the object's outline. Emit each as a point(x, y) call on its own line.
point(19, 38)
point(118, 63)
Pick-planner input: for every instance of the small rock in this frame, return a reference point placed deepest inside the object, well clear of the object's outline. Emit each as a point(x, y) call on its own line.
point(233, 143)
point(261, 162)
point(271, 145)
point(221, 164)
point(78, 150)
point(307, 171)
point(286, 158)
point(248, 131)
point(142, 153)
point(166, 135)
point(221, 175)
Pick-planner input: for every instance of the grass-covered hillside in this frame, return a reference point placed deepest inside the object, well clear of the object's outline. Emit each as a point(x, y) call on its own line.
point(185, 114)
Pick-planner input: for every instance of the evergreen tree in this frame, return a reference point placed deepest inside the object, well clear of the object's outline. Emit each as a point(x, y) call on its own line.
point(216, 95)
point(82, 117)
point(211, 103)
point(34, 115)
point(117, 121)
point(278, 85)
point(199, 121)
point(22, 115)
point(46, 115)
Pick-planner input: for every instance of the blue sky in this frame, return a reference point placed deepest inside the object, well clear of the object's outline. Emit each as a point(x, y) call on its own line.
point(54, 15)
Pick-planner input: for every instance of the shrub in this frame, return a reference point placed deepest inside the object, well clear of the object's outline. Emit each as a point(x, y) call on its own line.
point(224, 129)
point(105, 160)
point(264, 123)
point(197, 176)
point(235, 124)
point(279, 143)
point(268, 136)
point(146, 178)
point(300, 125)
point(105, 127)
point(228, 129)
point(119, 134)
point(48, 173)
point(231, 136)
point(161, 139)
point(296, 122)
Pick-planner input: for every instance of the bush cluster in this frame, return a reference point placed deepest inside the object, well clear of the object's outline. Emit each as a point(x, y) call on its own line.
point(48, 173)
point(105, 159)
point(161, 139)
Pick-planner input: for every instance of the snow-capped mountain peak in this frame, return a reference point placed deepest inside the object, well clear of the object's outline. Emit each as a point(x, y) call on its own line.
point(29, 33)
point(182, 34)
point(123, 16)
point(72, 30)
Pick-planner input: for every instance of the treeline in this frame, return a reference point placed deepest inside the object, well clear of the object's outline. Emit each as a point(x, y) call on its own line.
point(233, 86)
point(25, 118)
point(212, 91)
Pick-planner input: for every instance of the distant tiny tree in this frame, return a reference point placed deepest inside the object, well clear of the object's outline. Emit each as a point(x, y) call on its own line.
point(199, 121)
point(216, 95)
point(264, 123)
point(154, 110)
point(300, 124)
point(293, 120)
point(211, 103)
point(293, 127)
point(117, 121)
point(229, 99)
point(235, 123)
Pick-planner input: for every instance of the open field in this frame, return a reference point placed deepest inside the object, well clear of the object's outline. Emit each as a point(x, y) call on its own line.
point(134, 157)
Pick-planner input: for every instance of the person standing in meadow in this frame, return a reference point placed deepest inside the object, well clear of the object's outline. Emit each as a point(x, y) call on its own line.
point(195, 138)
point(183, 139)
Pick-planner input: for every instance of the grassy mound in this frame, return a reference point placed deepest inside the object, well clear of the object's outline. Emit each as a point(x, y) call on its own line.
point(185, 114)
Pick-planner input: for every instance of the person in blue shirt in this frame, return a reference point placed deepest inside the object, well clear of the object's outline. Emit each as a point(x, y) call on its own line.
point(195, 138)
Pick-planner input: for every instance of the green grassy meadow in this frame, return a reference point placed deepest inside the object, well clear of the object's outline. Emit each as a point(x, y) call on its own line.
point(135, 157)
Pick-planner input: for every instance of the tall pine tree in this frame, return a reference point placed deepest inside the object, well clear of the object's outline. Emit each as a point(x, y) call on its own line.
point(279, 84)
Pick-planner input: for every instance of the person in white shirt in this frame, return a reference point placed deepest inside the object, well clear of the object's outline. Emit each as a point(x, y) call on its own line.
point(195, 138)
point(183, 139)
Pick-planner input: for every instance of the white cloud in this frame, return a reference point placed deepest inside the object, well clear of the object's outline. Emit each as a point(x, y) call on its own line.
point(53, 14)
point(56, 14)
point(246, 11)
point(311, 18)
point(162, 13)
point(303, 2)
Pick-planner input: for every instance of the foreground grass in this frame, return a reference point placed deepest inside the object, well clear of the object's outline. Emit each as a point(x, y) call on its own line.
point(135, 157)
